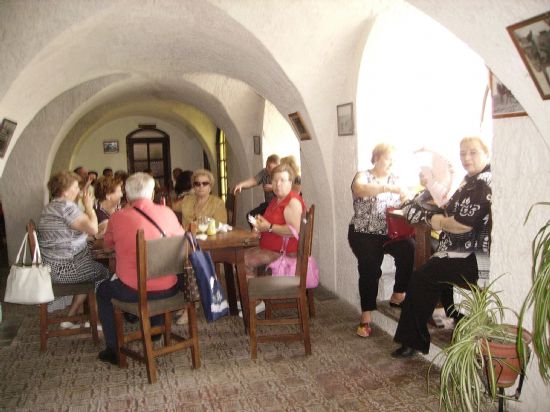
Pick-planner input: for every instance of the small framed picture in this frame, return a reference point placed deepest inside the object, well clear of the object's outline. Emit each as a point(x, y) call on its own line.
point(257, 145)
point(532, 38)
point(299, 126)
point(6, 132)
point(504, 102)
point(344, 115)
point(110, 146)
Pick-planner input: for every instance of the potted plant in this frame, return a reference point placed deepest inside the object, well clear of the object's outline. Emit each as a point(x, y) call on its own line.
point(538, 298)
point(473, 369)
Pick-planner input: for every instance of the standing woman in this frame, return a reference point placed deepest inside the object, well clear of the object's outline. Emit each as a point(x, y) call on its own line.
point(373, 192)
point(202, 202)
point(62, 232)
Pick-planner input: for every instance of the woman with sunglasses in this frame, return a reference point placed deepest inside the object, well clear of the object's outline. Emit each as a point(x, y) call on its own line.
point(201, 202)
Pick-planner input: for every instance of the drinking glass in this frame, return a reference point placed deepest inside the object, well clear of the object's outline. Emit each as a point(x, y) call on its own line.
point(202, 224)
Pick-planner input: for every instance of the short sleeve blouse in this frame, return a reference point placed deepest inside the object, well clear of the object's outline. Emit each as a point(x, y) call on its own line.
point(57, 240)
point(370, 211)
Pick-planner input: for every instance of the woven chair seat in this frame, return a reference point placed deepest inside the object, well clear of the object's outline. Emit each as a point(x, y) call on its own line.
point(274, 287)
point(156, 307)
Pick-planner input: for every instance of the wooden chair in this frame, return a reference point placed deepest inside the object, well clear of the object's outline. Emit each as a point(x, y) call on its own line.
point(309, 292)
point(293, 288)
point(231, 202)
point(90, 306)
point(156, 258)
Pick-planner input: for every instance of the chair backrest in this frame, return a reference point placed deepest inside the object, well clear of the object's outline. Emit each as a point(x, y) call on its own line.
point(304, 245)
point(160, 257)
point(231, 207)
point(31, 228)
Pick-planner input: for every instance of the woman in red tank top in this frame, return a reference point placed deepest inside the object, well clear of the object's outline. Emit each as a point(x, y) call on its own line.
point(283, 210)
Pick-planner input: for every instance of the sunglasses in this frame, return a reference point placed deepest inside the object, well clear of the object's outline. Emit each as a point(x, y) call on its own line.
point(198, 184)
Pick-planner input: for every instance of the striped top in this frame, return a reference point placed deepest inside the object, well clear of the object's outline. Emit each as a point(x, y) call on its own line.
point(56, 238)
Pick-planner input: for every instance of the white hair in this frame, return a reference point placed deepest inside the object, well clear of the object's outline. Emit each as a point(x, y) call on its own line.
point(139, 186)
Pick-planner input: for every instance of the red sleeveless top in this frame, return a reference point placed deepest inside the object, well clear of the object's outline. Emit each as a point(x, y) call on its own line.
point(275, 214)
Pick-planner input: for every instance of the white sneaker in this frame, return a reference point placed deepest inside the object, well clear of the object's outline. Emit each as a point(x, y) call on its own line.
point(69, 325)
point(260, 307)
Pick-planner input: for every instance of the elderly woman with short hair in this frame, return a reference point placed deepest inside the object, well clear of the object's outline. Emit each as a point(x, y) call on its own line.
point(284, 210)
point(62, 233)
point(108, 193)
point(202, 202)
point(374, 191)
point(464, 239)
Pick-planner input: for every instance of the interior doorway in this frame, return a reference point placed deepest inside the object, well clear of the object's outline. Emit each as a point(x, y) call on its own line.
point(148, 148)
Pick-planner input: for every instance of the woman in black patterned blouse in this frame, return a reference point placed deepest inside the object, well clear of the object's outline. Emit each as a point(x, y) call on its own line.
point(464, 234)
point(373, 192)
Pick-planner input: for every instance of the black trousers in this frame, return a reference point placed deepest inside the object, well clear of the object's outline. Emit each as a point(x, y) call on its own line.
point(369, 250)
point(424, 290)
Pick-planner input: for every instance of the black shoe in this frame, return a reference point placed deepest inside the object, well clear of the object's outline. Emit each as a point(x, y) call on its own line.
point(403, 352)
point(108, 355)
point(130, 318)
point(156, 338)
point(396, 305)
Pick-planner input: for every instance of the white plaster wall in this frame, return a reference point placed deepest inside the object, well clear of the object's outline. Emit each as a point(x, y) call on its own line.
point(278, 136)
point(185, 149)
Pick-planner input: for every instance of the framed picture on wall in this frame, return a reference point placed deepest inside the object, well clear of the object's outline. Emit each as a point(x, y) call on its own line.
point(110, 146)
point(344, 116)
point(504, 102)
point(299, 126)
point(257, 145)
point(6, 132)
point(532, 39)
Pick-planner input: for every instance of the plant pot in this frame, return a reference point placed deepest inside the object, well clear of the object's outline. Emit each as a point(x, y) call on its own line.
point(504, 356)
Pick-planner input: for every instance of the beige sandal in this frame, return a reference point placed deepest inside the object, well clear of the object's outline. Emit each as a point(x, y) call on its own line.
point(183, 319)
point(363, 330)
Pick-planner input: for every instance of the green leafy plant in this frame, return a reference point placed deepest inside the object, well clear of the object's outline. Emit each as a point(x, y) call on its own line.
point(538, 298)
point(470, 370)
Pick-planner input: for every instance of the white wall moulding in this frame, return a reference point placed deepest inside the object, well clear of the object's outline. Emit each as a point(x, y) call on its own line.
point(504, 102)
point(344, 115)
point(299, 126)
point(6, 132)
point(532, 39)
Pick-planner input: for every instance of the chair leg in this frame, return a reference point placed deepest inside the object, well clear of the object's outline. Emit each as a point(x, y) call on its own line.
point(194, 335)
point(122, 362)
point(252, 329)
point(92, 305)
point(167, 328)
point(43, 326)
point(304, 320)
point(268, 308)
point(310, 302)
point(148, 349)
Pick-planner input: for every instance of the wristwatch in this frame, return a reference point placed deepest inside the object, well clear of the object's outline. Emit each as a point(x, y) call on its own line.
point(270, 228)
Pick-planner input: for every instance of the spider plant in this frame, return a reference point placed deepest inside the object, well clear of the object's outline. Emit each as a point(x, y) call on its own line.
point(539, 299)
point(468, 377)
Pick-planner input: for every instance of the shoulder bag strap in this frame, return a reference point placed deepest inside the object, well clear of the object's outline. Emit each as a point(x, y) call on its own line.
point(146, 216)
point(37, 258)
point(192, 241)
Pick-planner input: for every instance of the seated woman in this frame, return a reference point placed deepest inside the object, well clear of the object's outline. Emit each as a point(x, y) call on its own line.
point(201, 202)
point(373, 192)
point(108, 192)
point(62, 232)
point(284, 210)
point(464, 233)
point(182, 188)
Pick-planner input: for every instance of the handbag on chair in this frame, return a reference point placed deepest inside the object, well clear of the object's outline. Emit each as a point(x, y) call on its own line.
point(213, 300)
point(29, 284)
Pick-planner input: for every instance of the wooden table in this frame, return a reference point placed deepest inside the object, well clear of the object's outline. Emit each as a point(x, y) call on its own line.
point(229, 248)
point(422, 234)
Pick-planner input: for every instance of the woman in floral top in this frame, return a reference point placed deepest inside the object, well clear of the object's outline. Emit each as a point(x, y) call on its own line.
point(464, 238)
point(373, 192)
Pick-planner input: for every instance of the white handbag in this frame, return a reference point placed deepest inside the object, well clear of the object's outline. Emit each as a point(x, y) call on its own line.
point(29, 284)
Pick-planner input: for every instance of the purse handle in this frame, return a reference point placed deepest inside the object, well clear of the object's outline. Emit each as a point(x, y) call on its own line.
point(37, 257)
